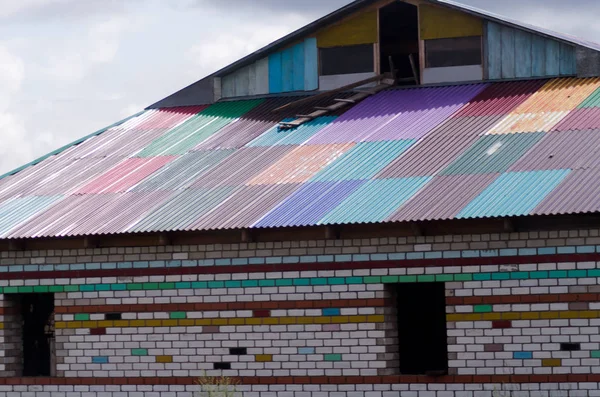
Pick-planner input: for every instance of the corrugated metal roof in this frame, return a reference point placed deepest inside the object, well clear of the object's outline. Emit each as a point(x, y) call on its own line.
point(564, 150)
point(364, 160)
point(443, 197)
point(441, 147)
point(593, 101)
point(451, 167)
point(578, 193)
point(493, 153)
point(375, 201)
point(513, 194)
point(309, 204)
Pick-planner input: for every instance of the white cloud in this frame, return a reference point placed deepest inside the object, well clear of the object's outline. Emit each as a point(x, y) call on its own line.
point(227, 47)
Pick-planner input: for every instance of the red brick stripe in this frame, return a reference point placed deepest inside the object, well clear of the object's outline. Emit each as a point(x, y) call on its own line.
point(317, 380)
point(507, 299)
point(190, 307)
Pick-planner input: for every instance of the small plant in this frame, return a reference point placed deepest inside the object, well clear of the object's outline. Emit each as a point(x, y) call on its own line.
point(217, 386)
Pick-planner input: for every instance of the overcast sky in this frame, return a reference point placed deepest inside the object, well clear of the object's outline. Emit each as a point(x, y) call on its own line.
point(70, 67)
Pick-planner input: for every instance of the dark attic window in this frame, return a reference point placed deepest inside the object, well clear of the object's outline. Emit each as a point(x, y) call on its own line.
point(347, 60)
point(458, 51)
point(422, 336)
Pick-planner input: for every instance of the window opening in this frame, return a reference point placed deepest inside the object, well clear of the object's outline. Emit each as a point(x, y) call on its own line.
point(347, 60)
point(458, 51)
point(399, 38)
point(421, 322)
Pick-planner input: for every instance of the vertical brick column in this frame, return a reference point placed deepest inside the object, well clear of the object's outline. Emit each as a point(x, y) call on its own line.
point(390, 341)
point(12, 338)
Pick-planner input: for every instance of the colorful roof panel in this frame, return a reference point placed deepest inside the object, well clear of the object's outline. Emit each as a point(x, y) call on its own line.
point(463, 151)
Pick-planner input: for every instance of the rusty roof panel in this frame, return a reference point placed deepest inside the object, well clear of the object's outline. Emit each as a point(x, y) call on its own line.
point(562, 150)
point(301, 164)
point(443, 197)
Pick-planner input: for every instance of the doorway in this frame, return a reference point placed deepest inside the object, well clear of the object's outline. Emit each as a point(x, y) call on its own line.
point(399, 38)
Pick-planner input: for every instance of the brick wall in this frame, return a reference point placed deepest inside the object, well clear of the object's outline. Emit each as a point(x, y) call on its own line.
point(313, 318)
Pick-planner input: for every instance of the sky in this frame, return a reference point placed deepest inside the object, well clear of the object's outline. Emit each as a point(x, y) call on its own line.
point(71, 67)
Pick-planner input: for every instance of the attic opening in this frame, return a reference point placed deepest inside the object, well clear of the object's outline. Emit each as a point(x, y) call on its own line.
point(399, 38)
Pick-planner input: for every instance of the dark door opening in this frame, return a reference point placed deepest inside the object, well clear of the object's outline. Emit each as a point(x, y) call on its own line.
point(399, 38)
point(422, 333)
point(37, 313)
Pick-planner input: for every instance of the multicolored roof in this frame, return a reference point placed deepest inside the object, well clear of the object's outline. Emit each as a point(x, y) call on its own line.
point(437, 153)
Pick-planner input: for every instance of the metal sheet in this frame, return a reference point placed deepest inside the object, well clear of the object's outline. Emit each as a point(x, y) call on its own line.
point(242, 165)
point(182, 172)
point(580, 119)
point(375, 201)
point(513, 194)
point(363, 161)
point(500, 98)
point(579, 192)
point(564, 150)
point(309, 204)
point(20, 209)
point(398, 114)
point(125, 175)
point(440, 148)
point(182, 210)
point(199, 128)
point(443, 198)
point(301, 164)
point(493, 153)
point(297, 136)
point(548, 106)
point(62, 217)
point(593, 101)
point(121, 211)
point(245, 207)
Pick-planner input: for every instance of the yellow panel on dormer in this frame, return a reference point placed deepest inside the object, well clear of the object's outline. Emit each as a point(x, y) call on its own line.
point(361, 29)
point(445, 23)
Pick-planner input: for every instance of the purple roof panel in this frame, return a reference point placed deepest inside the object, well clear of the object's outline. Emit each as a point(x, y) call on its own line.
point(579, 192)
point(443, 198)
point(397, 114)
point(562, 150)
point(309, 204)
point(580, 119)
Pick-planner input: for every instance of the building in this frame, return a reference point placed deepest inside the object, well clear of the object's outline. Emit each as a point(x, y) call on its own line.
point(400, 198)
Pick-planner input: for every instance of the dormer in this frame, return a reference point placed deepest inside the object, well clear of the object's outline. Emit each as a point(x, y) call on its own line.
point(418, 42)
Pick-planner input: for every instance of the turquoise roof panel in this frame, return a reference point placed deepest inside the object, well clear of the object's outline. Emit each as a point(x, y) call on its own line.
point(514, 194)
point(375, 201)
point(493, 153)
point(16, 211)
point(364, 160)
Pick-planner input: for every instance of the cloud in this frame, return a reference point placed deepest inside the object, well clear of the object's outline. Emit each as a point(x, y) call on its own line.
point(223, 49)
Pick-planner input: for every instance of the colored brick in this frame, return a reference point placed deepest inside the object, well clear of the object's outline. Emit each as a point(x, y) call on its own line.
point(139, 352)
point(551, 362)
point(164, 359)
point(333, 357)
point(263, 358)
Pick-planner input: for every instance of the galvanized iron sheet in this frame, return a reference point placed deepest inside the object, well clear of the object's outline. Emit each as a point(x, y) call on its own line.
point(493, 153)
point(562, 150)
point(578, 193)
point(440, 148)
point(513, 194)
point(417, 154)
point(375, 201)
point(443, 198)
point(309, 204)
